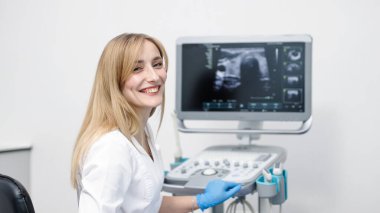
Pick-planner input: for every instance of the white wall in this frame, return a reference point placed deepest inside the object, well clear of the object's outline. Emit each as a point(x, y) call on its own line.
point(49, 52)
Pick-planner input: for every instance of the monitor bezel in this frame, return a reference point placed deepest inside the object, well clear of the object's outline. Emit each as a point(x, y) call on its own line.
point(245, 116)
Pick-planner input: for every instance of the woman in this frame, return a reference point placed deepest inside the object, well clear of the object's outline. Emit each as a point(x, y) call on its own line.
point(115, 165)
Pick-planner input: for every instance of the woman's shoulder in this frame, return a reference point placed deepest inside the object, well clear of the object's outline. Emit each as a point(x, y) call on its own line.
point(110, 151)
point(111, 143)
point(114, 136)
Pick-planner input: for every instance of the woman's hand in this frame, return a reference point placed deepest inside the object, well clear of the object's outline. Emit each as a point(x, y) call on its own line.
point(216, 192)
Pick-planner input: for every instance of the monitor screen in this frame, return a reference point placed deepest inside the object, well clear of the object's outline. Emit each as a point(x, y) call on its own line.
point(251, 78)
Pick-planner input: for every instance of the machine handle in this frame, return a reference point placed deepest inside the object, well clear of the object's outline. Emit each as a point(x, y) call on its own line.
point(306, 125)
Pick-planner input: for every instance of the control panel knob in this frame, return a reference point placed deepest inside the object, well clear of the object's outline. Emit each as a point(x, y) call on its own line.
point(208, 172)
point(196, 163)
point(226, 162)
point(207, 163)
point(183, 170)
point(236, 164)
point(216, 163)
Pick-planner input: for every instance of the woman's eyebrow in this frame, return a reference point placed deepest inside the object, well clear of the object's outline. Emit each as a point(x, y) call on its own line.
point(154, 59)
point(157, 58)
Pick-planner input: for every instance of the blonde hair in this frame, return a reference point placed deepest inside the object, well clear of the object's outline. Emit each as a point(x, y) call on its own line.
point(108, 109)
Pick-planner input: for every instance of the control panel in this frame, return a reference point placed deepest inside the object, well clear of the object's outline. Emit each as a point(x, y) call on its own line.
point(236, 163)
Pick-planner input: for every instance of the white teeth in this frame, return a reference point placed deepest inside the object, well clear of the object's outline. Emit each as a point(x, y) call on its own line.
point(151, 90)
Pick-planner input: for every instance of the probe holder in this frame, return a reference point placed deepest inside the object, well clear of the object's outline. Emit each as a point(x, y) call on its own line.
point(282, 195)
point(276, 190)
point(267, 189)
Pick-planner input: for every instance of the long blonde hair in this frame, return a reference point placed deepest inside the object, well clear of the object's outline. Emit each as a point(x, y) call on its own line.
point(108, 109)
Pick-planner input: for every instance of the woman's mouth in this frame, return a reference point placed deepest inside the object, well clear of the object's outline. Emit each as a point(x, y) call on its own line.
point(150, 90)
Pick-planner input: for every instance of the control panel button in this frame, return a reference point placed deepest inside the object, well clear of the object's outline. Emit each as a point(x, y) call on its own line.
point(226, 162)
point(208, 172)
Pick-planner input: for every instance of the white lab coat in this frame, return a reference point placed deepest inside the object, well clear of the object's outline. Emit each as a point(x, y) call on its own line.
point(118, 176)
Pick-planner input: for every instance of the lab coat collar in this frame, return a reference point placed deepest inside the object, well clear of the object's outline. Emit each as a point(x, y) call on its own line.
point(141, 149)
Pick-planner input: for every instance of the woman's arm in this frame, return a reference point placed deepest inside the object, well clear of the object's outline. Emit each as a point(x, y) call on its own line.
point(106, 177)
point(178, 204)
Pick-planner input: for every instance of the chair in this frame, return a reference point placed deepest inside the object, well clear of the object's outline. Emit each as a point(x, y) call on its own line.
point(13, 196)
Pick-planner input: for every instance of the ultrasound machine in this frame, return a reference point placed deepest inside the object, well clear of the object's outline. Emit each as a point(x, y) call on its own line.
point(253, 80)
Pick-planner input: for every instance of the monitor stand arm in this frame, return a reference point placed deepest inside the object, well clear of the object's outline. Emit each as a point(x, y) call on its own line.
point(249, 125)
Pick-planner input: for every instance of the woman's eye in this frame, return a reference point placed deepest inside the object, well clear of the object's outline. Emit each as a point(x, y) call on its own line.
point(137, 69)
point(158, 65)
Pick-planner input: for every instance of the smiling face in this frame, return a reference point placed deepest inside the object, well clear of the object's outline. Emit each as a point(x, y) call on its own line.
point(144, 89)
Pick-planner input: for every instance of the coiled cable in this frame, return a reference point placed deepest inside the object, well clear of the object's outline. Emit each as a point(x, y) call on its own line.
point(232, 207)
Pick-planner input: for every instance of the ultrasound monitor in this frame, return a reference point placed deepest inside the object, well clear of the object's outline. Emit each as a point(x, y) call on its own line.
point(256, 78)
point(250, 80)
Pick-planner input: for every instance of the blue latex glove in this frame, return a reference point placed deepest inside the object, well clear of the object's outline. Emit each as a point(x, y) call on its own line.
point(216, 192)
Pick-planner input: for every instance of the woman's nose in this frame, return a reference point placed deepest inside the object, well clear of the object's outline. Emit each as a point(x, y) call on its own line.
point(152, 74)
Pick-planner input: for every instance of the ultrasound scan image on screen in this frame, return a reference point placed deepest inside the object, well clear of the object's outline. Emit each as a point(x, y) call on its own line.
point(247, 77)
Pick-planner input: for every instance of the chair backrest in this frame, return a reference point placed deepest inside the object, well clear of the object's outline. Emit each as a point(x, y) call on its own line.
point(13, 196)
